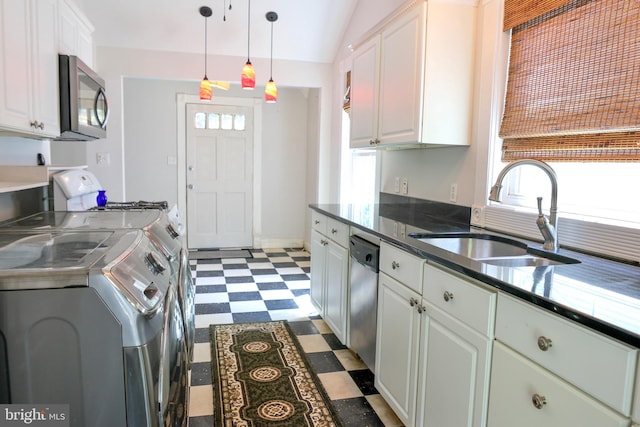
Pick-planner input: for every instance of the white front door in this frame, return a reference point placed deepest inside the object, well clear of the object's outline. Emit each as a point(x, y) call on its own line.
point(219, 176)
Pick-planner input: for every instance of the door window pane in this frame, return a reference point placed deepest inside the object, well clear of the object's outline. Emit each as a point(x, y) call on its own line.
point(226, 121)
point(214, 121)
point(199, 121)
point(238, 122)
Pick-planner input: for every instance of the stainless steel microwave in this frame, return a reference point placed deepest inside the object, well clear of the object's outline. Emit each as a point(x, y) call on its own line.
point(84, 110)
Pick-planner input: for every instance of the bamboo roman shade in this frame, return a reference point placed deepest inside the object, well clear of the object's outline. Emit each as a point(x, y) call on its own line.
point(346, 99)
point(574, 83)
point(518, 12)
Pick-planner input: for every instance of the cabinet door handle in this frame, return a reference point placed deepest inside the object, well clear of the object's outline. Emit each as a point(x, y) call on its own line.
point(538, 401)
point(324, 242)
point(412, 301)
point(421, 309)
point(334, 231)
point(544, 343)
point(317, 222)
point(395, 265)
point(36, 124)
point(448, 296)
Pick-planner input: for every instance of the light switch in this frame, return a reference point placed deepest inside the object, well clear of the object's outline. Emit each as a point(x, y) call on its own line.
point(103, 159)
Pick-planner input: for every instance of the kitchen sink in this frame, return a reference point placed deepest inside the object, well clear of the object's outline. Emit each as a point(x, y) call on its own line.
point(494, 250)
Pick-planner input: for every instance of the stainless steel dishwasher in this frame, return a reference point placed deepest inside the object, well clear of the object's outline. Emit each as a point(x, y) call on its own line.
point(363, 301)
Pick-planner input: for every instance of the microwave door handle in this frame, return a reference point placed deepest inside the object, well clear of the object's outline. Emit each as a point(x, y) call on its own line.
point(102, 123)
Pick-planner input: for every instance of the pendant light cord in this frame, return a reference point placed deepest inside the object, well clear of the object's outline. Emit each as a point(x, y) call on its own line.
point(205, 47)
point(271, 62)
point(249, 31)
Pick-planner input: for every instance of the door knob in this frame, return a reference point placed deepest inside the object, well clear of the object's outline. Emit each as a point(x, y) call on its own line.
point(190, 167)
point(190, 186)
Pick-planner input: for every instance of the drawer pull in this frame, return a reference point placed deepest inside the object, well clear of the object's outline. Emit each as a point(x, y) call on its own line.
point(412, 301)
point(538, 401)
point(421, 308)
point(324, 242)
point(395, 265)
point(317, 221)
point(544, 343)
point(334, 231)
point(448, 296)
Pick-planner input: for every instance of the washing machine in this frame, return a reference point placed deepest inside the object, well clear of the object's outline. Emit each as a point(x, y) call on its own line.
point(146, 216)
point(91, 320)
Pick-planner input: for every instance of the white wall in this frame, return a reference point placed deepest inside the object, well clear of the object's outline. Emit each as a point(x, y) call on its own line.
point(150, 135)
point(150, 138)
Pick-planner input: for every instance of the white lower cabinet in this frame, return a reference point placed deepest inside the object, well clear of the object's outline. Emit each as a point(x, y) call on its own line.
point(456, 340)
point(571, 351)
point(318, 267)
point(329, 289)
point(524, 394)
point(454, 373)
point(337, 288)
point(397, 346)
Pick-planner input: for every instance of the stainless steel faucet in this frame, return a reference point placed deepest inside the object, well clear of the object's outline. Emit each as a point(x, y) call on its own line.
point(548, 227)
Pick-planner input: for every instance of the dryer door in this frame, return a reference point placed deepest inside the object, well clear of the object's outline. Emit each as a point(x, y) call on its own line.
point(186, 295)
point(173, 388)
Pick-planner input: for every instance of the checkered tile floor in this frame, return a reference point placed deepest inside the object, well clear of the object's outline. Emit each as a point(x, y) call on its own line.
point(274, 285)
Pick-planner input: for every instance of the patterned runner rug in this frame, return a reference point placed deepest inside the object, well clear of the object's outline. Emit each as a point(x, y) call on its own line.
point(261, 377)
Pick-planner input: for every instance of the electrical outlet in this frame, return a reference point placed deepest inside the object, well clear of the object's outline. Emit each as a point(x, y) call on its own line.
point(396, 184)
point(405, 185)
point(477, 215)
point(453, 193)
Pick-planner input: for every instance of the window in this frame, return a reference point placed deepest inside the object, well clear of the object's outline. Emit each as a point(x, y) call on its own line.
point(219, 121)
point(358, 178)
point(598, 205)
point(594, 192)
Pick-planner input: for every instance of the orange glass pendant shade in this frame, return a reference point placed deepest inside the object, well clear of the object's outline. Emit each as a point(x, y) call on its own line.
point(248, 76)
point(271, 92)
point(205, 90)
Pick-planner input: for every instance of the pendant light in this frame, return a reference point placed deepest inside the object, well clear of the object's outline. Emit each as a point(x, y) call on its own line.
point(205, 87)
point(270, 90)
point(248, 73)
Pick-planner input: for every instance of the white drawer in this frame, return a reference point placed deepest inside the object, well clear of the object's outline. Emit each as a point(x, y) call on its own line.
point(469, 302)
point(338, 232)
point(319, 222)
point(599, 365)
point(517, 383)
point(402, 266)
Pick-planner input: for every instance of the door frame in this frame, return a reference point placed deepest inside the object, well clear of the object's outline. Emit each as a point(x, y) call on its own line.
point(256, 104)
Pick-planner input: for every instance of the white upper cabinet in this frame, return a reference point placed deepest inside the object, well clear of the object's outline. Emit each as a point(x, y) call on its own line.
point(76, 33)
point(29, 68)
point(364, 94)
point(412, 82)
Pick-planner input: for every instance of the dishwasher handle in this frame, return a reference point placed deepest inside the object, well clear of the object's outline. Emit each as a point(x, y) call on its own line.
point(365, 252)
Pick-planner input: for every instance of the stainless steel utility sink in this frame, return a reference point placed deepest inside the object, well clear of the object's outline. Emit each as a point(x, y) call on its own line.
point(494, 250)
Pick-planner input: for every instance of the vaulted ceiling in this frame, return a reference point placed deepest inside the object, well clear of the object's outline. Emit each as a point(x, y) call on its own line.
point(306, 30)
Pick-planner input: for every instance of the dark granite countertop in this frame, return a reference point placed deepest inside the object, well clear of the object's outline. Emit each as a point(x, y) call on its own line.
point(599, 293)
